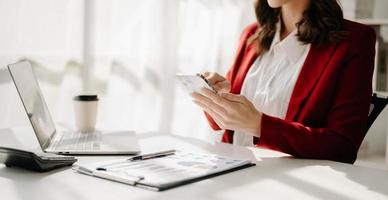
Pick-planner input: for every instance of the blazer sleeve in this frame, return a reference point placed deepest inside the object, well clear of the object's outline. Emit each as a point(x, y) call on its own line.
point(345, 125)
point(247, 32)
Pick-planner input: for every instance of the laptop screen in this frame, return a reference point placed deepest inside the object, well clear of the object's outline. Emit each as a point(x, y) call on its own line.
point(29, 91)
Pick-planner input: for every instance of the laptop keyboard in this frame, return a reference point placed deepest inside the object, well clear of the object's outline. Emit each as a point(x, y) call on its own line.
point(78, 141)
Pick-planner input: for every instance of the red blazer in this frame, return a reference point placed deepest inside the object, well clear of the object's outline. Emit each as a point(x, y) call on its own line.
point(328, 109)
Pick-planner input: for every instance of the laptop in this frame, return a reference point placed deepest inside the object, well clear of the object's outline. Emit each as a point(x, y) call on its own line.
point(64, 142)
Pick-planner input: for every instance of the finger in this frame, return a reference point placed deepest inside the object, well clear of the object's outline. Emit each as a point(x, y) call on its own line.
point(209, 110)
point(223, 86)
point(216, 117)
point(234, 97)
point(209, 103)
point(214, 97)
point(213, 78)
point(206, 74)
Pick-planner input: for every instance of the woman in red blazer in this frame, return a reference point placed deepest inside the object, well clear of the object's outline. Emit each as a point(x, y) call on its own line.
point(329, 104)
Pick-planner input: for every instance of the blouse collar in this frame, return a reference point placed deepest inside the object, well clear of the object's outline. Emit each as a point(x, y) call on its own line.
point(291, 46)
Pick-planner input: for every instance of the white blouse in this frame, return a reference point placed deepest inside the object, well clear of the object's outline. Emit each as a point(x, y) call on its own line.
point(271, 79)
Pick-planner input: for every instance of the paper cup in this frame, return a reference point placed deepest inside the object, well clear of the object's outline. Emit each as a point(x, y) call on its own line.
point(85, 112)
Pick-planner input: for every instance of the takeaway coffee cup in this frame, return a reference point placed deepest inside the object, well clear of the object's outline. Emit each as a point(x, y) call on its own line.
point(85, 112)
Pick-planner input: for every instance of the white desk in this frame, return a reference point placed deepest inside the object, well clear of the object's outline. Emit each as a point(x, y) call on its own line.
point(276, 176)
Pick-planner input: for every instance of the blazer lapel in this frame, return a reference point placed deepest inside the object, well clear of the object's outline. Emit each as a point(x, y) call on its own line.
point(245, 64)
point(316, 61)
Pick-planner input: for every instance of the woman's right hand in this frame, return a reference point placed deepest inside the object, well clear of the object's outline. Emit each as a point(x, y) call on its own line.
point(219, 83)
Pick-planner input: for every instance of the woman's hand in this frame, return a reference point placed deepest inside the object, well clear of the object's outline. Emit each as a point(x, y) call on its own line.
point(219, 83)
point(230, 111)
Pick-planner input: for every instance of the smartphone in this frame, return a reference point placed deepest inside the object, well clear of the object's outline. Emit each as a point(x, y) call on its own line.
point(194, 83)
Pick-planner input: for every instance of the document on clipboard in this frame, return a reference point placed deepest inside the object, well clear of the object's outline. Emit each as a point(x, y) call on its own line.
point(164, 172)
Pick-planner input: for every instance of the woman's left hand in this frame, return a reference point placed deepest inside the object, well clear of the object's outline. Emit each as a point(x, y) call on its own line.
point(230, 111)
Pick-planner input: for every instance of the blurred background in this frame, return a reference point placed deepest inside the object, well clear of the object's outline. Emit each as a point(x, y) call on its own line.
point(128, 51)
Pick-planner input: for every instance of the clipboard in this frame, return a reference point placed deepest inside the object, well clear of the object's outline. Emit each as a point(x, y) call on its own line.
point(166, 172)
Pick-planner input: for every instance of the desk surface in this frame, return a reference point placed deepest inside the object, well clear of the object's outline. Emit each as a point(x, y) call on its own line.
point(276, 176)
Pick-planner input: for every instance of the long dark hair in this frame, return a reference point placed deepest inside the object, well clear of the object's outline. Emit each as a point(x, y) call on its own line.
point(321, 22)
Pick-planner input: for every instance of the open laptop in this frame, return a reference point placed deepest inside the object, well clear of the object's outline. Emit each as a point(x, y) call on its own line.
point(70, 142)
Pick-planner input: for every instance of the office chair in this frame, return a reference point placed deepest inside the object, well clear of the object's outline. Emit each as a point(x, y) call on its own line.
point(377, 105)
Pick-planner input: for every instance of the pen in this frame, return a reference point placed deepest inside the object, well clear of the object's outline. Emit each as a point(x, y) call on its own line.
point(152, 155)
point(136, 158)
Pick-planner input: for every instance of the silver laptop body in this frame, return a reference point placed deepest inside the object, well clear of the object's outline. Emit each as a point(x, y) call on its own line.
point(67, 142)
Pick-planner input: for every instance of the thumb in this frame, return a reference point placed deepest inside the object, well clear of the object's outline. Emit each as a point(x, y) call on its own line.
point(233, 97)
